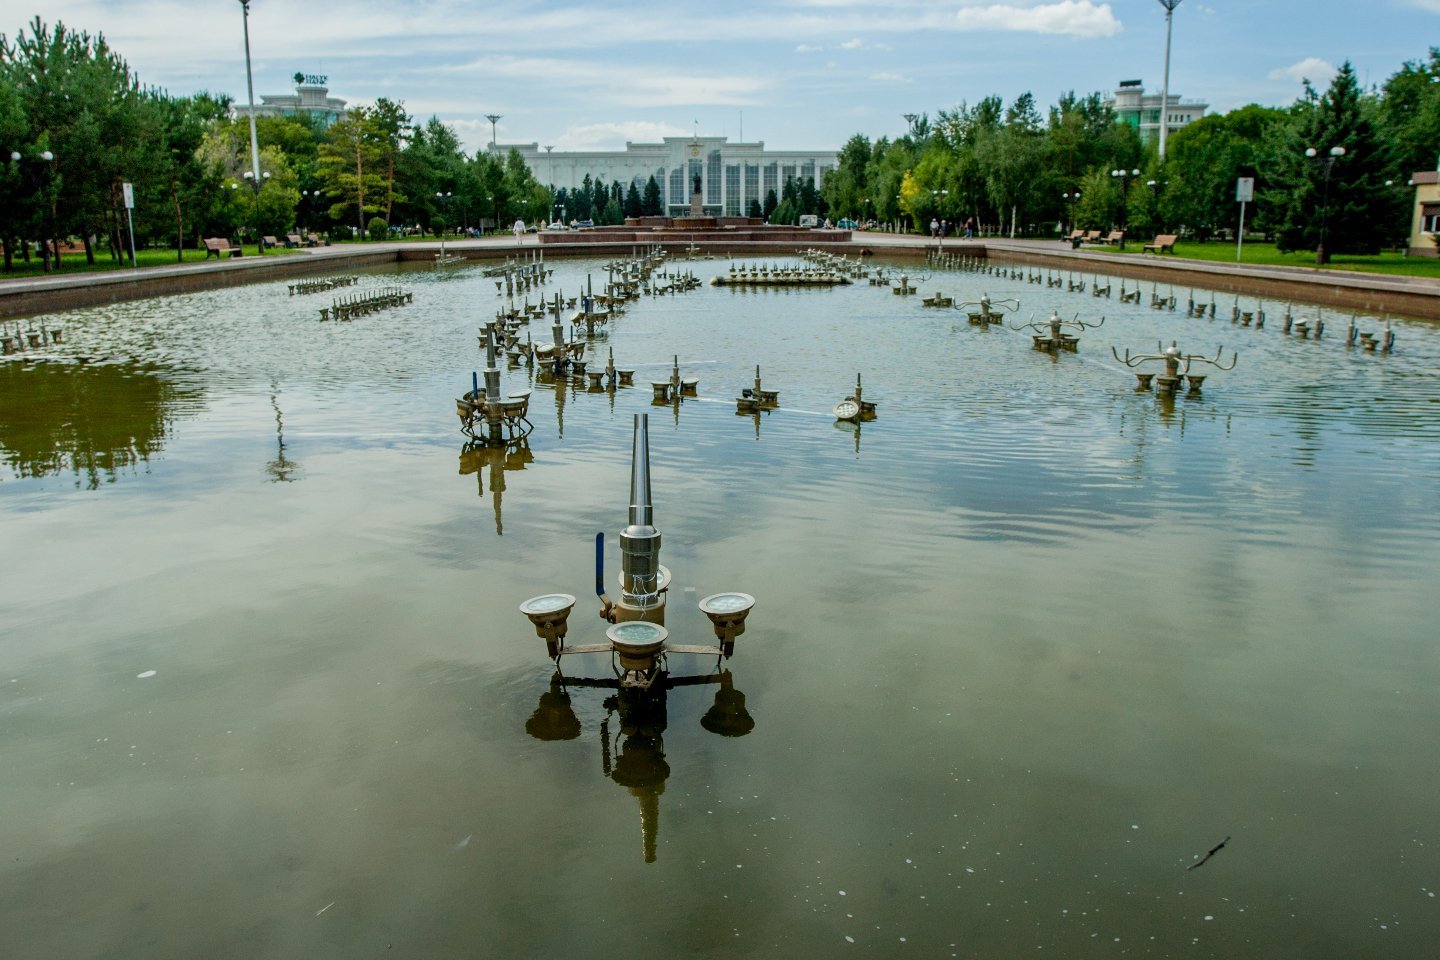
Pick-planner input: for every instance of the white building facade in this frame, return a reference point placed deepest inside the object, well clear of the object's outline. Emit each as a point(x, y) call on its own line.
point(311, 96)
point(730, 174)
point(1141, 110)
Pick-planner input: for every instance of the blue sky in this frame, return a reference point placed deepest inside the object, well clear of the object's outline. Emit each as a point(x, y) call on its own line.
point(799, 74)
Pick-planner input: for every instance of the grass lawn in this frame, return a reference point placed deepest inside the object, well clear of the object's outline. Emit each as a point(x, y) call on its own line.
point(1266, 254)
point(75, 262)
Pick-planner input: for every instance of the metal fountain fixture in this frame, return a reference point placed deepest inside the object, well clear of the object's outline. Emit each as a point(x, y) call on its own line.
point(757, 398)
point(637, 638)
point(504, 419)
point(639, 647)
point(855, 407)
point(986, 313)
point(1051, 335)
point(1177, 367)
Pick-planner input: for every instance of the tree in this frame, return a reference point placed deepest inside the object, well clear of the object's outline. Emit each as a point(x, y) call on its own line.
point(350, 168)
point(1330, 203)
point(651, 204)
point(632, 201)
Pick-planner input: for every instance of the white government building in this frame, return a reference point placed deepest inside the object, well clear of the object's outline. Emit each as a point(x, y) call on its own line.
point(731, 174)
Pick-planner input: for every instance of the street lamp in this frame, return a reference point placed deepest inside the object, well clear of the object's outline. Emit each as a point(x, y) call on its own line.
point(1124, 176)
point(46, 159)
point(936, 195)
point(254, 173)
point(255, 184)
point(1335, 153)
point(1155, 186)
point(444, 199)
point(1070, 198)
point(1169, 6)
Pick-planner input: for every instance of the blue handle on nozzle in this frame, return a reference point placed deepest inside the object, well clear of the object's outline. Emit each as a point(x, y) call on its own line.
point(600, 564)
point(475, 384)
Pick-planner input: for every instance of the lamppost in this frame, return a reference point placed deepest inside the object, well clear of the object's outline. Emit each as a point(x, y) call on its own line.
point(47, 224)
point(494, 118)
point(910, 119)
point(444, 199)
point(307, 197)
point(254, 173)
point(1155, 186)
point(1328, 161)
point(1124, 177)
point(255, 184)
point(1070, 197)
point(1169, 6)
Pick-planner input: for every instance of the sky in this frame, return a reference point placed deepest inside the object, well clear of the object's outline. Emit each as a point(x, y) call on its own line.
point(794, 74)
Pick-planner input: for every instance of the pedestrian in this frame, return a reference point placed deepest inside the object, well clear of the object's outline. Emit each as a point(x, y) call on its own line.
point(969, 227)
point(934, 227)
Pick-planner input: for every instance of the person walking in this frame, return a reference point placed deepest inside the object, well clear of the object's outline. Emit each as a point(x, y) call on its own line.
point(934, 227)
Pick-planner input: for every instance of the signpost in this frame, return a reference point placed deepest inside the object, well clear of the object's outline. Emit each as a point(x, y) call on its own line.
point(1244, 193)
point(129, 191)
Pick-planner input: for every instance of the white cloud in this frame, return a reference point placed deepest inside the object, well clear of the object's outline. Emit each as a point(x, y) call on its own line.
point(1311, 68)
point(1431, 5)
point(623, 84)
point(890, 78)
point(614, 136)
point(808, 48)
point(1075, 18)
point(853, 44)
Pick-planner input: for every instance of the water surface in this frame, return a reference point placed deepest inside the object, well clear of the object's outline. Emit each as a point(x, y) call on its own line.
point(1025, 648)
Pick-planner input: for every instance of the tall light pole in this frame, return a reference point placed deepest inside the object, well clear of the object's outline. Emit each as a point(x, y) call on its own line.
point(1169, 6)
point(910, 119)
point(494, 118)
point(250, 88)
point(1335, 153)
point(1123, 177)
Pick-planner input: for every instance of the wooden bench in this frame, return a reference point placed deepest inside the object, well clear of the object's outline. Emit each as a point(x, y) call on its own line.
point(1114, 236)
point(1076, 235)
point(269, 243)
point(219, 245)
point(293, 240)
point(313, 240)
point(1092, 236)
point(1166, 241)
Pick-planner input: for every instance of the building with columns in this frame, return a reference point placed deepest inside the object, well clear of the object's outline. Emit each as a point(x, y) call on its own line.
point(731, 174)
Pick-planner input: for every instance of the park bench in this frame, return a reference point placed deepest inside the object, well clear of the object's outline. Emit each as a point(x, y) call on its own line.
point(293, 240)
point(313, 240)
point(219, 245)
point(1166, 241)
point(269, 243)
point(1114, 236)
point(1092, 236)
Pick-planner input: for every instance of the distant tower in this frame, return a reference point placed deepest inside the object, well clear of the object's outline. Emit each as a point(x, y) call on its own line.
point(494, 118)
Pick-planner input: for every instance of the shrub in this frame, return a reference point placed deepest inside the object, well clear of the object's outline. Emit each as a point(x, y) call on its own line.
point(340, 232)
point(378, 229)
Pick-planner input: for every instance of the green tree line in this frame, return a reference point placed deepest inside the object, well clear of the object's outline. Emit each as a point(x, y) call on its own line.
point(76, 124)
point(1012, 171)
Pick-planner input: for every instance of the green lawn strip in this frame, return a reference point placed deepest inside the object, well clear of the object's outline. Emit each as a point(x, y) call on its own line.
point(1265, 254)
point(75, 262)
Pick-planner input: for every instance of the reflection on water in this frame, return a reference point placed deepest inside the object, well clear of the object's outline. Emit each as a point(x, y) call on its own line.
point(1034, 641)
point(96, 422)
point(638, 763)
point(491, 464)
